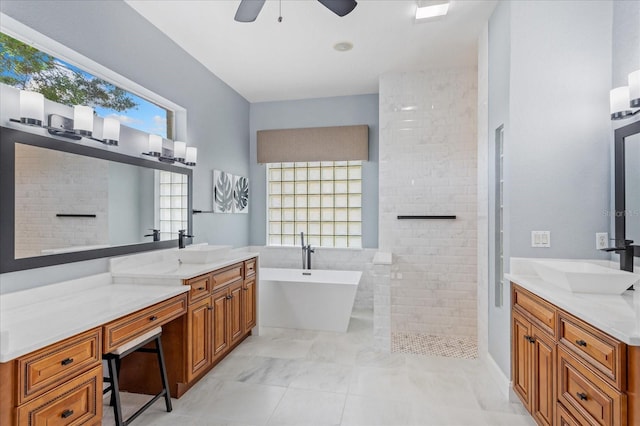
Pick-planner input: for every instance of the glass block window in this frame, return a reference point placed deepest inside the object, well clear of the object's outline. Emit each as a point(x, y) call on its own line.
point(172, 200)
point(321, 199)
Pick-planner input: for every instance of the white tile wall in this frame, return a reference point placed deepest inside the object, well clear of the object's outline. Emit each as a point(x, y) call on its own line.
point(428, 153)
point(76, 185)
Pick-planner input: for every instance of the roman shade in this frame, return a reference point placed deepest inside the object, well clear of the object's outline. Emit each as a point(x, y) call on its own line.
point(339, 143)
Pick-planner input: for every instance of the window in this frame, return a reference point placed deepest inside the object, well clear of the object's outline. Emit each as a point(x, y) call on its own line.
point(27, 68)
point(321, 199)
point(173, 203)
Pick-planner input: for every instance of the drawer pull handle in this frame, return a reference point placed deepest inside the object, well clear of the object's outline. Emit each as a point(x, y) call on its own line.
point(530, 339)
point(582, 396)
point(200, 288)
point(153, 318)
point(210, 308)
point(66, 413)
point(229, 297)
point(245, 289)
point(581, 343)
point(66, 361)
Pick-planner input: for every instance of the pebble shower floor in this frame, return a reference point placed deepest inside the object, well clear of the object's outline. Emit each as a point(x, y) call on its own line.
point(423, 344)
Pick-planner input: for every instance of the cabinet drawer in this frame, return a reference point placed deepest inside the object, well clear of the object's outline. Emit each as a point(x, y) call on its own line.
point(200, 287)
point(48, 367)
point(78, 401)
point(124, 329)
point(249, 268)
point(564, 418)
point(539, 311)
point(227, 275)
point(587, 396)
point(602, 352)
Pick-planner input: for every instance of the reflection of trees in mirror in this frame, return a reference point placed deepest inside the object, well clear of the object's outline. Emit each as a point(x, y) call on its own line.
point(27, 68)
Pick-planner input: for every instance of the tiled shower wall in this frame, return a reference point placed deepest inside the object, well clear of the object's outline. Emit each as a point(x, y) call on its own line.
point(327, 258)
point(428, 155)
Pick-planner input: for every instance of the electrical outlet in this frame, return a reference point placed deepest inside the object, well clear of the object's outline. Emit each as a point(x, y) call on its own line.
point(540, 238)
point(602, 240)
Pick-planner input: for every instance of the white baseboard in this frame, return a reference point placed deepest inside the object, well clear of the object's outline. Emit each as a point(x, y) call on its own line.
point(503, 382)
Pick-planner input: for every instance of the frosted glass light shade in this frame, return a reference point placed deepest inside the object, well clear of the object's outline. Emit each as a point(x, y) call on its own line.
point(155, 145)
point(191, 156)
point(634, 89)
point(110, 131)
point(31, 107)
point(619, 102)
point(179, 150)
point(83, 120)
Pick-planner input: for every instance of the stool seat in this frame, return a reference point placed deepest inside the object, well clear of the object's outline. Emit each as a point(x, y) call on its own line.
point(113, 360)
point(146, 337)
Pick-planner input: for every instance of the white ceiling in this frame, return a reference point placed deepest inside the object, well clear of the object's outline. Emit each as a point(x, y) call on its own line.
point(267, 61)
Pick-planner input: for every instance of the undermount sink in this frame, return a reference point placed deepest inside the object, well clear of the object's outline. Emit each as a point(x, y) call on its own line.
point(584, 277)
point(203, 253)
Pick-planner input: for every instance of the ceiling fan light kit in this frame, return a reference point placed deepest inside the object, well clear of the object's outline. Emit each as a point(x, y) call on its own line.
point(248, 10)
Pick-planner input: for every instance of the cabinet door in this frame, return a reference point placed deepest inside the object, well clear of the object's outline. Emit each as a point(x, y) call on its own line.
point(249, 304)
point(521, 358)
point(236, 314)
point(544, 359)
point(220, 325)
point(199, 326)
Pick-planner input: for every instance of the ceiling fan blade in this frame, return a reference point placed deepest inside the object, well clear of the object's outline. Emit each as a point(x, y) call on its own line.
point(248, 10)
point(340, 7)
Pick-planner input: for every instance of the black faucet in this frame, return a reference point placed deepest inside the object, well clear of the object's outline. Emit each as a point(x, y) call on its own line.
point(626, 254)
point(155, 234)
point(181, 236)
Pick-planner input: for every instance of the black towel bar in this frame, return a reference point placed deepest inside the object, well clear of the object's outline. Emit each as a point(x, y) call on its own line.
point(427, 217)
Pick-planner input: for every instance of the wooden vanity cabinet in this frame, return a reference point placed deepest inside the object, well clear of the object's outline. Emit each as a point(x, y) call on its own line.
point(567, 372)
point(221, 314)
point(533, 363)
point(60, 384)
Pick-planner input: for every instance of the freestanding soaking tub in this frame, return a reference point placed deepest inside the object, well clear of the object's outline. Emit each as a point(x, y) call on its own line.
point(307, 299)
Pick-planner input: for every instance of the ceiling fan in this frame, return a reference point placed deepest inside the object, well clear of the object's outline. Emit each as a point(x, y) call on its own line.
point(249, 9)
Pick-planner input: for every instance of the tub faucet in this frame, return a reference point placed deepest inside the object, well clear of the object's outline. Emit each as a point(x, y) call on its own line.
point(182, 234)
point(306, 253)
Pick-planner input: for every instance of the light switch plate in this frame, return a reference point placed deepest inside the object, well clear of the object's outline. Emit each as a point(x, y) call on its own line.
point(540, 238)
point(602, 240)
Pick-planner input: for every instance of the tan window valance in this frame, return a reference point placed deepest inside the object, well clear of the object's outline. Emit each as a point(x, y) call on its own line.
point(339, 143)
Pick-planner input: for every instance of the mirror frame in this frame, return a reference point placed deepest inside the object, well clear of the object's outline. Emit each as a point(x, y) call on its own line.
point(8, 138)
point(620, 184)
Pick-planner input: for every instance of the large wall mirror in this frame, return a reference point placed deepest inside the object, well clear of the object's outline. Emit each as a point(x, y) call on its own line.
point(627, 185)
point(66, 202)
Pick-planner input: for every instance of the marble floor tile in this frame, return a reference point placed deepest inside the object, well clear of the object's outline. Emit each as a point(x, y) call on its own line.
point(305, 407)
point(322, 376)
point(309, 378)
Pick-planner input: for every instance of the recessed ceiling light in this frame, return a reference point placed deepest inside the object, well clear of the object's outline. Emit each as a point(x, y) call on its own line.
point(431, 9)
point(343, 46)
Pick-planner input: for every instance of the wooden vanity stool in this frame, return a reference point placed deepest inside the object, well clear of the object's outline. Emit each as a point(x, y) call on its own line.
point(113, 363)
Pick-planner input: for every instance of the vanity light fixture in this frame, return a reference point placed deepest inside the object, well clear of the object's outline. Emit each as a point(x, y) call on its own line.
point(180, 153)
point(625, 98)
point(31, 108)
point(83, 120)
point(110, 131)
point(32, 114)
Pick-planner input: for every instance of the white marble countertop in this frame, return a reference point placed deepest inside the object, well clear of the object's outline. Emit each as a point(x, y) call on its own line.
point(616, 315)
point(163, 268)
point(33, 319)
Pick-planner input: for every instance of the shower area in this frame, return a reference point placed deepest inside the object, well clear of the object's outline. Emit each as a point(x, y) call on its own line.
point(428, 209)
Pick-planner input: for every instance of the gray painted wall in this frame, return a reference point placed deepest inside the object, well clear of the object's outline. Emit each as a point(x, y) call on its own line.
point(337, 111)
point(557, 131)
point(114, 35)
